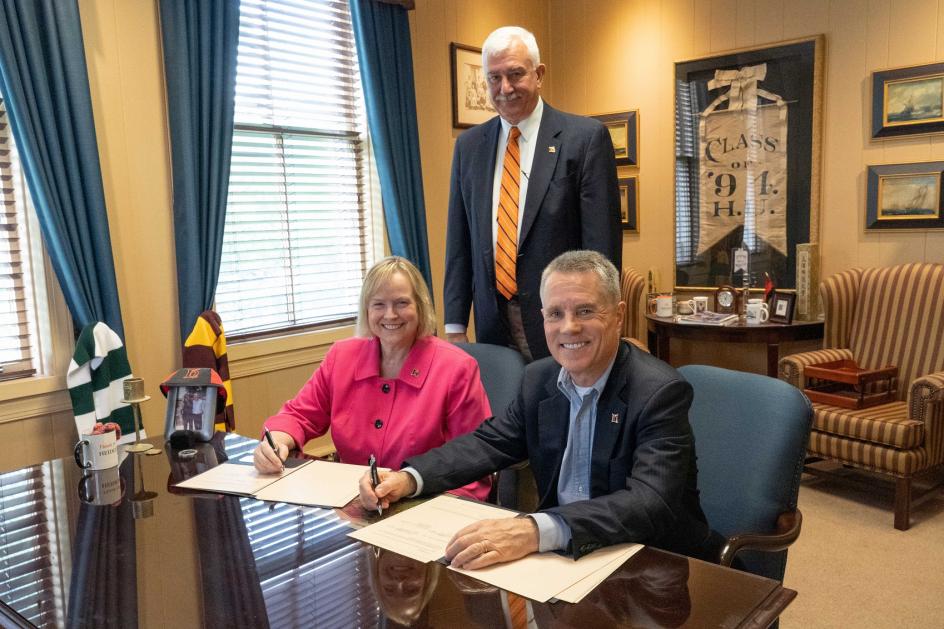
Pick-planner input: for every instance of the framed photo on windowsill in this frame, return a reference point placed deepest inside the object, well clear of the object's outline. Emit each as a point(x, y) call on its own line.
point(908, 101)
point(624, 132)
point(629, 203)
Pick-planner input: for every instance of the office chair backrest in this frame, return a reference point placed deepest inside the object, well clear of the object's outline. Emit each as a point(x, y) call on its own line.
point(501, 369)
point(751, 433)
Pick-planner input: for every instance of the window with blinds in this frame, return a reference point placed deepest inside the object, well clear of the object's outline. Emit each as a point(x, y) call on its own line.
point(297, 240)
point(17, 305)
point(31, 583)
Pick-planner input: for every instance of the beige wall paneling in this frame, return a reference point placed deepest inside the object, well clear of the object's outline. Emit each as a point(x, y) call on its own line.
point(744, 30)
point(769, 20)
point(722, 26)
point(846, 128)
point(122, 39)
point(804, 18)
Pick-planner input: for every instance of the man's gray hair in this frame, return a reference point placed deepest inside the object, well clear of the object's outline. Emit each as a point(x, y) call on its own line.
point(501, 40)
point(586, 261)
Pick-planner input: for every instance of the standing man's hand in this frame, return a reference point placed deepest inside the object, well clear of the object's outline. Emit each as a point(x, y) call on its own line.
point(457, 337)
point(487, 542)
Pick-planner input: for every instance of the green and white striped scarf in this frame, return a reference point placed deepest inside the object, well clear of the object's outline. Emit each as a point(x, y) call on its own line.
point(98, 368)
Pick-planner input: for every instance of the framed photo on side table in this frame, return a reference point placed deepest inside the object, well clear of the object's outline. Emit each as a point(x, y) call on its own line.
point(624, 132)
point(470, 102)
point(781, 307)
point(629, 203)
point(908, 101)
point(904, 196)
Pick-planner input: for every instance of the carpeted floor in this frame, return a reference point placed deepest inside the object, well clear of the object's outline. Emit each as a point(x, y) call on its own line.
point(851, 567)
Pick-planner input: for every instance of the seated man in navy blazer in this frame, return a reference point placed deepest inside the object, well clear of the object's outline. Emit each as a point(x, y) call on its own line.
point(526, 186)
point(605, 426)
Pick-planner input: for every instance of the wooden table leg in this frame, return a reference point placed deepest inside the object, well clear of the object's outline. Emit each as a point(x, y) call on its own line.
point(773, 357)
point(664, 346)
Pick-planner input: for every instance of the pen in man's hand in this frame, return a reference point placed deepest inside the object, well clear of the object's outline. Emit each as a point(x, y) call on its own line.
point(375, 479)
point(268, 437)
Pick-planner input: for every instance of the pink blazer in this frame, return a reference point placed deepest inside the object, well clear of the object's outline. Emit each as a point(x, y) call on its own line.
point(437, 396)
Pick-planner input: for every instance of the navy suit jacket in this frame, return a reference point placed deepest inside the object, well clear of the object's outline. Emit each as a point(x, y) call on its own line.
point(572, 203)
point(643, 476)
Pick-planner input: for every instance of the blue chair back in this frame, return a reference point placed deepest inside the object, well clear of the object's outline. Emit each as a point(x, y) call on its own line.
point(501, 369)
point(751, 434)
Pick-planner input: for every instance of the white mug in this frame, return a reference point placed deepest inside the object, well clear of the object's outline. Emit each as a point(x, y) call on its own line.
point(757, 312)
point(701, 304)
point(686, 307)
point(661, 305)
point(101, 487)
point(97, 452)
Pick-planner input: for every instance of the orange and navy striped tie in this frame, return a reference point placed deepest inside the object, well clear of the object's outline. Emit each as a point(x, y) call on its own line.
point(506, 243)
point(517, 611)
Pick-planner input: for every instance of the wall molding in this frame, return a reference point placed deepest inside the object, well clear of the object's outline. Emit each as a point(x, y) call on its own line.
point(35, 406)
point(274, 362)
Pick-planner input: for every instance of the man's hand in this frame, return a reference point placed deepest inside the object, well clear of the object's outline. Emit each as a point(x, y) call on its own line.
point(269, 461)
point(392, 487)
point(457, 337)
point(492, 541)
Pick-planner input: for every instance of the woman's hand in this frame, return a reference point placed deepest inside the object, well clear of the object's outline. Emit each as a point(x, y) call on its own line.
point(269, 461)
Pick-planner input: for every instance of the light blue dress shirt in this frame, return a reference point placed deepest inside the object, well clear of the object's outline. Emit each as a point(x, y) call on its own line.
point(574, 481)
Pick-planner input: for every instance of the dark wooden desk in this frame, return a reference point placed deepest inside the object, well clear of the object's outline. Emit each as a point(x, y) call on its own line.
point(663, 329)
point(157, 557)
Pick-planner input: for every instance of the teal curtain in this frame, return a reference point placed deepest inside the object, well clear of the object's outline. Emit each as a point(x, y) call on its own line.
point(382, 34)
point(44, 81)
point(200, 40)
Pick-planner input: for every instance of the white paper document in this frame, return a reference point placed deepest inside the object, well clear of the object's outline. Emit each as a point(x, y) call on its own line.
point(233, 478)
point(422, 532)
point(317, 484)
point(581, 588)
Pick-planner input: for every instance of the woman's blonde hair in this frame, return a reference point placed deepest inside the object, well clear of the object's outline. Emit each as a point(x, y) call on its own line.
point(379, 274)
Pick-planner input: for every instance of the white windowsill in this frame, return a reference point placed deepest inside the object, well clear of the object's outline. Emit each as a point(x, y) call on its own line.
point(31, 397)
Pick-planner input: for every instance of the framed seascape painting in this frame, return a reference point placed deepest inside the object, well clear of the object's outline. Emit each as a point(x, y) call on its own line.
point(624, 132)
point(908, 101)
point(747, 162)
point(629, 203)
point(470, 102)
point(904, 196)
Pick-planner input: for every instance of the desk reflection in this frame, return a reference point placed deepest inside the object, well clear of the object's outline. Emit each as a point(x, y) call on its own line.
point(72, 554)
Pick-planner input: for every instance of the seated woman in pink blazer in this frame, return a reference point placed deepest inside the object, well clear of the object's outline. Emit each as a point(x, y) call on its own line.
point(394, 390)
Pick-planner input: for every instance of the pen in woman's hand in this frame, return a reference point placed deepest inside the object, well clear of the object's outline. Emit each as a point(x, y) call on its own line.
point(375, 479)
point(268, 437)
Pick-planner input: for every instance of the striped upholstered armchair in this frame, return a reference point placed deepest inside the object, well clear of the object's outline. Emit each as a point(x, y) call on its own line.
point(881, 316)
point(633, 289)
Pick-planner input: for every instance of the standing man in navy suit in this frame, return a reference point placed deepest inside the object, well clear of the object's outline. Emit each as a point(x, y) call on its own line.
point(558, 178)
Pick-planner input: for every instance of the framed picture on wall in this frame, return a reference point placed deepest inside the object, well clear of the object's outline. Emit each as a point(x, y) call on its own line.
point(904, 196)
point(470, 102)
point(624, 132)
point(747, 161)
point(908, 101)
point(629, 203)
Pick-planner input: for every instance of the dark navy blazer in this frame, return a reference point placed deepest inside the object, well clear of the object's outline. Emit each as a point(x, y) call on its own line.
point(643, 475)
point(572, 203)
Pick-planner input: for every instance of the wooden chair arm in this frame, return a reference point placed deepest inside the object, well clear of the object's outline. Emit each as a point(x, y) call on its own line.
point(787, 532)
